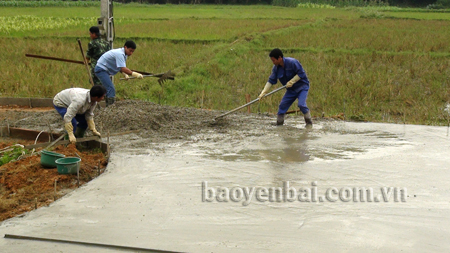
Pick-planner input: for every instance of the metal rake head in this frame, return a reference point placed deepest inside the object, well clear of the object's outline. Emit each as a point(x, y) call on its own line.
point(165, 77)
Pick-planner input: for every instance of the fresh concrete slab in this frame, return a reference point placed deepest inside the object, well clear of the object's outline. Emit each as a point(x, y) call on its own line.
point(160, 196)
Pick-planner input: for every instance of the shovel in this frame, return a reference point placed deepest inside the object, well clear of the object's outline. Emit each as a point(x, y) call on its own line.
point(249, 103)
point(162, 77)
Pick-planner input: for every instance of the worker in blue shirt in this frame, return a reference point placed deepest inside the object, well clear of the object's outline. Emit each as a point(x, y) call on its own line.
point(112, 62)
point(291, 74)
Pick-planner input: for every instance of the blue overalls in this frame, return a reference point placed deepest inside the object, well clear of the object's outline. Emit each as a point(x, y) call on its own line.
point(298, 91)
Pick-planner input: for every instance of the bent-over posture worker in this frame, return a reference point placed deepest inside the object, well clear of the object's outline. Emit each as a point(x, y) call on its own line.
point(76, 106)
point(291, 74)
point(96, 48)
point(112, 62)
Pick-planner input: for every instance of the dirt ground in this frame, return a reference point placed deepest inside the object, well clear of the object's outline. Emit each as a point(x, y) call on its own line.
point(26, 185)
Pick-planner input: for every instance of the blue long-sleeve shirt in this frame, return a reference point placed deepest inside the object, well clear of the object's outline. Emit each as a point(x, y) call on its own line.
point(113, 60)
point(291, 68)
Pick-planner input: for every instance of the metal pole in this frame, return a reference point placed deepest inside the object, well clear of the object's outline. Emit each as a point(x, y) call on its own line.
point(249, 103)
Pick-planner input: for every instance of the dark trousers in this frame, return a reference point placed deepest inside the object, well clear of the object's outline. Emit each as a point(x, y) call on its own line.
point(78, 121)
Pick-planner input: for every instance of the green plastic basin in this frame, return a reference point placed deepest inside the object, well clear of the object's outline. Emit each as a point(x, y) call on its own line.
point(48, 158)
point(68, 165)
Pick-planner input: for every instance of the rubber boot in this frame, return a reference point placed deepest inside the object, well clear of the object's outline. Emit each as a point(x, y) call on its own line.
point(280, 119)
point(110, 101)
point(308, 120)
point(79, 132)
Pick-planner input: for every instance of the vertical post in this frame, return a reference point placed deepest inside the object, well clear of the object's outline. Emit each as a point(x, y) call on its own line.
point(107, 147)
point(247, 99)
point(78, 177)
point(203, 95)
point(106, 23)
point(107, 20)
point(54, 197)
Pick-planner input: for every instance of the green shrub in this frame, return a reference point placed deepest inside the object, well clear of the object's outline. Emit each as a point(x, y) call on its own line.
point(12, 155)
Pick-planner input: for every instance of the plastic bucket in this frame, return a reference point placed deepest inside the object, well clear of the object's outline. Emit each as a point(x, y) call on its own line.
point(48, 158)
point(68, 165)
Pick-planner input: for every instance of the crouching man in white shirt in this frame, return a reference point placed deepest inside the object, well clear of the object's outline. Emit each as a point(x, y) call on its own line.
point(76, 106)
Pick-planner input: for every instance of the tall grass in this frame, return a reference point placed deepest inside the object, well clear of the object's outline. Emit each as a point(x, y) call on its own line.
point(362, 36)
point(26, 23)
point(336, 3)
point(13, 3)
point(378, 69)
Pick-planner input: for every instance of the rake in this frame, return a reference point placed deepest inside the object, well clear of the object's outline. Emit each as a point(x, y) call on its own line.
point(163, 77)
point(249, 103)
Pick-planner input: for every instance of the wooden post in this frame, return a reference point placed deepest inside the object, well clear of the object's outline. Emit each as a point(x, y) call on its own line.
point(247, 99)
point(107, 148)
point(203, 96)
point(54, 197)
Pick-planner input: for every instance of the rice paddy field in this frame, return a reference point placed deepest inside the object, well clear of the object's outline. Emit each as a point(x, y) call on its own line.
point(377, 64)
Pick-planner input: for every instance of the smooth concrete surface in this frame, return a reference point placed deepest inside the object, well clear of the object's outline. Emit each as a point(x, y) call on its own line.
point(152, 198)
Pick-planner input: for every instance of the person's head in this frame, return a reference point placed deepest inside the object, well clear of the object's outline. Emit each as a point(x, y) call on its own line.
point(276, 56)
point(97, 93)
point(129, 47)
point(94, 32)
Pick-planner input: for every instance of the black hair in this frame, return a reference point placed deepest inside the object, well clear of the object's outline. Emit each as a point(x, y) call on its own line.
point(98, 91)
point(130, 44)
point(95, 30)
point(276, 53)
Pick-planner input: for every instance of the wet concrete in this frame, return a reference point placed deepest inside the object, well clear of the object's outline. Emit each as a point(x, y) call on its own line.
point(153, 194)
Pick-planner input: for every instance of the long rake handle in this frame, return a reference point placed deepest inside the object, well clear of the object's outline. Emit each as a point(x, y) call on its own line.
point(71, 61)
point(53, 58)
point(159, 75)
point(251, 102)
point(85, 62)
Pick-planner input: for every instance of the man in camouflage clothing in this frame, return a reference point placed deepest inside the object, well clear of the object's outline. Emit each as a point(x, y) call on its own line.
point(96, 48)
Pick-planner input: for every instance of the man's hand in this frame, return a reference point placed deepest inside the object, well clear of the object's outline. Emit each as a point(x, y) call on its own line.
point(265, 90)
point(137, 75)
point(295, 79)
point(126, 76)
point(69, 129)
point(91, 126)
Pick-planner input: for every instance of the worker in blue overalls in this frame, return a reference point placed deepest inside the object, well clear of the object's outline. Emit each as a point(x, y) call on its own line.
point(291, 74)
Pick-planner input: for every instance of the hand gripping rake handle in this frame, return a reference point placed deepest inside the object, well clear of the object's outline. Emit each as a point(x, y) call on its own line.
point(249, 103)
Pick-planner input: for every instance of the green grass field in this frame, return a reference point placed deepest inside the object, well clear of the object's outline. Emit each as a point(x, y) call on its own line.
point(387, 65)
